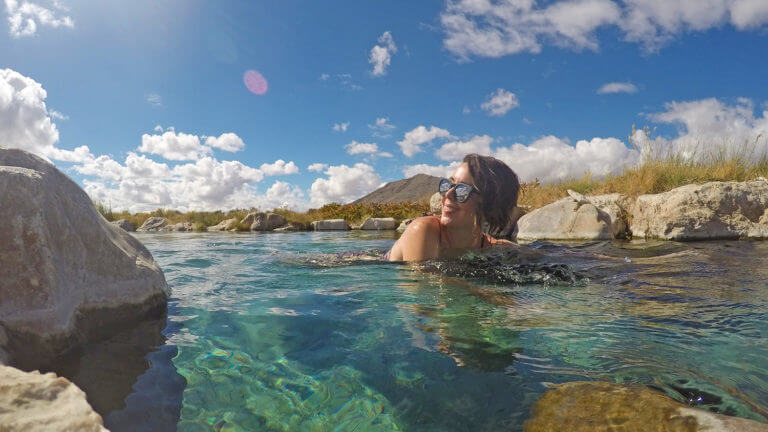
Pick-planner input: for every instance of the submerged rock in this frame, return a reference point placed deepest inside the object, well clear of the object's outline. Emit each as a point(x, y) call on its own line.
point(605, 406)
point(715, 210)
point(378, 224)
point(330, 225)
point(155, 223)
point(124, 224)
point(68, 276)
point(225, 225)
point(31, 401)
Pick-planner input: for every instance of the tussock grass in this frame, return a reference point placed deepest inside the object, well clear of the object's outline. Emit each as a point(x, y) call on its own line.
point(662, 169)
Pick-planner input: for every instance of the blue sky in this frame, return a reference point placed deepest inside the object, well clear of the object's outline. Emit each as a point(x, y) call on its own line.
point(410, 86)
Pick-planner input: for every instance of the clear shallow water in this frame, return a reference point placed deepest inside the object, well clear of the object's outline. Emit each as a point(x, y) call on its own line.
point(256, 339)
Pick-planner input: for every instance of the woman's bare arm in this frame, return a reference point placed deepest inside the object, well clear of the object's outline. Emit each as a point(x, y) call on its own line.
point(419, 242)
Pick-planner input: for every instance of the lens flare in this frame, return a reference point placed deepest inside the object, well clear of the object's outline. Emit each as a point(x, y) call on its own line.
point(255, 82)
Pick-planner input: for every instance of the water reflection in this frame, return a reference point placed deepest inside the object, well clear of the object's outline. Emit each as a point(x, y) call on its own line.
point(129, 378)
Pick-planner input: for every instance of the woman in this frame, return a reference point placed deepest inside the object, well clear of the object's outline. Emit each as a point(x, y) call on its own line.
point(483, 189)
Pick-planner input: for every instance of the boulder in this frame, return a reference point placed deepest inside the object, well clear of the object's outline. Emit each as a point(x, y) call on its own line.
point(179, 227)
point(68, 276)
point(124, 224)
point(436, 203)
point(715, 210)
point(267, 221)
point(616, 206)
point(31, 401)
point(566, 219)
point(404, 224)
point(155, 223)
point(378, 224)
point(225, 225)
point(605, 406)
point(249, 219)
point(330, 225)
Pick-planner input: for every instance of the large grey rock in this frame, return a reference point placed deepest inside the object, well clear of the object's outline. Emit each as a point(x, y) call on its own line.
point(330, 225)
point(293, 226)
point(124, 224)
point(378, 224)
point(32, 402)
point(179, 227)
point(617, 206)
point(249, 219)
point(267, 221)
point(66, 274)
point(155, 223)
point(715, 210)
point(225, 225)
point(596, 406)
point(567, 219)
point(436, 203)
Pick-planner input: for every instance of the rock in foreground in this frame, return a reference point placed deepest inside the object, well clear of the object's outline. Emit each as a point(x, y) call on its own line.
point(715, 210)
point(31, 401)
point(606, 406)
point(68, 275)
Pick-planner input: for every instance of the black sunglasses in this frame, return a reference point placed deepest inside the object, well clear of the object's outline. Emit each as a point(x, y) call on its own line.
point(462, 190)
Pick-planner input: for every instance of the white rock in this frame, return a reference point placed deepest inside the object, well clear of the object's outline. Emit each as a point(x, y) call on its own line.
point(179, 227)
point(436, 203)
point(565, 220)
point(330, 225)
point(225, 225)
point(154, 223)
point(67, 274)
point(32, 402)
point(378, 224)
point(715, 210)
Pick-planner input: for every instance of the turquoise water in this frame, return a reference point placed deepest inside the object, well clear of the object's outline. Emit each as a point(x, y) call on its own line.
point(258, 339)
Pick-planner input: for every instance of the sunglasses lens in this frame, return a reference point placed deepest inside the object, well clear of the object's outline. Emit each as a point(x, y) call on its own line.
point(444, 187)
point(462, 192)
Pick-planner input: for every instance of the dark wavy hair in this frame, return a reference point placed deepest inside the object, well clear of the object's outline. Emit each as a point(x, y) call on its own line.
point(499, 188)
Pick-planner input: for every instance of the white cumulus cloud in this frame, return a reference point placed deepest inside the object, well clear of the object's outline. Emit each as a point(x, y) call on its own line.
point(174, 146)
point(227, 141)
point(500, 102)
point(344, 184)
point(317, 167)
point(355, 147)
point(25, 122)
point(279, 167)
point(25, 17)
point(381, 54)
point(433, 170)
point(414, 139)
point(458, 149)
point(484, 28)
point(617, 87)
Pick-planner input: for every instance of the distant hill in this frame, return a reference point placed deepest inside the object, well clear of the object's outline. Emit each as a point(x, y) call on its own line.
point(417, 188)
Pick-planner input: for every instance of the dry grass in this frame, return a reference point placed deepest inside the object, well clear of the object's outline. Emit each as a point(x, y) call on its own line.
point(662, 171)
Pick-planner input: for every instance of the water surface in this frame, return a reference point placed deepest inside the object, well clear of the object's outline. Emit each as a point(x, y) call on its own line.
point(258, 338)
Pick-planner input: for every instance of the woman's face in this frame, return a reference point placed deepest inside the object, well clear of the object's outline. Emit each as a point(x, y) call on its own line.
point(458, 214)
